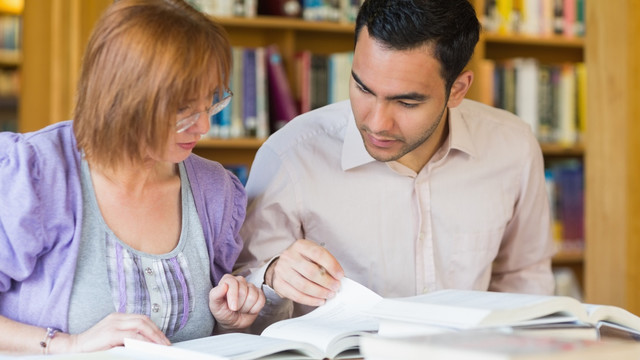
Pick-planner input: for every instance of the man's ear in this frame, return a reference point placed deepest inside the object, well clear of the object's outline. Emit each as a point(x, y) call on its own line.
point(459, 88)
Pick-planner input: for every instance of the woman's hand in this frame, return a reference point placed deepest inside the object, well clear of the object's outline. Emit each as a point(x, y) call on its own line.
point(235, 303)
point(110, 332)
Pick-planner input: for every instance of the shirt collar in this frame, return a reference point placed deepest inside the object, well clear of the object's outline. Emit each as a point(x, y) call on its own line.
point(354, 153)
point(459, 133)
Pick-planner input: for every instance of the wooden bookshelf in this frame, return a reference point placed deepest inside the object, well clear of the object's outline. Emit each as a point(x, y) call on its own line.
point(559, 150)
point(10, 58)
point(11, 6)
point(612, 154)
point(229, 151)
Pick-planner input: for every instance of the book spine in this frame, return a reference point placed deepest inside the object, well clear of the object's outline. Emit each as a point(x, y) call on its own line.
point(303, 80)
point(281, 102)
point(319, 92)
point(567, 106)
point(237, 126)
point(262, 96)
point(526, 92)
point(249, 100)
point(504, 10)
point(569, 17)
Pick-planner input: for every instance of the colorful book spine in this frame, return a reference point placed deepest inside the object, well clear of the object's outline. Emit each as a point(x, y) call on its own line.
point(237, 86)
point(282, 107)
point(249, 99)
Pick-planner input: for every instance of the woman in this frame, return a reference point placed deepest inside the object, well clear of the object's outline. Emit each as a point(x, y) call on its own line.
point(109, 226)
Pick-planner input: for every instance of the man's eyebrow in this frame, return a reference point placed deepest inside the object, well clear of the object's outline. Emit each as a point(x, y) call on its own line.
point(414, 96)
point(357, 79)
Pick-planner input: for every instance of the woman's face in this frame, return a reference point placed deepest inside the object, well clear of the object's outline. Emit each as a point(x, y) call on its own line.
point(186, 133)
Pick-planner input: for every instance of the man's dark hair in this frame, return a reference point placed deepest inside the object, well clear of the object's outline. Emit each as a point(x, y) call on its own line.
point(450, 25)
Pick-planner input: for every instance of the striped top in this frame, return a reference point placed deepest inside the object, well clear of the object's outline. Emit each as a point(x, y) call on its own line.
point(172, 288)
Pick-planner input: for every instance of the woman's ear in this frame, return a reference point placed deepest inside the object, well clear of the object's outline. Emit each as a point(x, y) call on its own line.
point(459, 88)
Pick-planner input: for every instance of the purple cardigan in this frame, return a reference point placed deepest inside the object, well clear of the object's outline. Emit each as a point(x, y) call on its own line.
point(41, 221)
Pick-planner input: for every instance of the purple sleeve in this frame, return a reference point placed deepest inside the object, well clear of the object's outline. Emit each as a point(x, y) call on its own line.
point(22, 234)
point(40, 219)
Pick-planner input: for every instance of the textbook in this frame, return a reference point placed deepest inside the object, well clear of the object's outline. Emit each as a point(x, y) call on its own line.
point(330, 331)
point(492, 345)
point(456, 310)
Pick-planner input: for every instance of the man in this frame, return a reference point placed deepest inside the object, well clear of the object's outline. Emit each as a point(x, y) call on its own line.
point(405, 188)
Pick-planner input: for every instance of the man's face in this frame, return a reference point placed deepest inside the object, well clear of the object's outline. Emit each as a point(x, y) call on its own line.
point(398, 100)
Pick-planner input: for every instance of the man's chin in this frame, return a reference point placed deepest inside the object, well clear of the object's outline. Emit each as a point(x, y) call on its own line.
point(383, 156)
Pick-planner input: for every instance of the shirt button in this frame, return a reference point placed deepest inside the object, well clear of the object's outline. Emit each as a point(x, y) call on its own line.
point(156, 288)
point(155, 308)
point(148, 271)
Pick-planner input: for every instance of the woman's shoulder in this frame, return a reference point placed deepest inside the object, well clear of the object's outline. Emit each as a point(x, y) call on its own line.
point(210, 176)
point(49, 149)
point(51, 141)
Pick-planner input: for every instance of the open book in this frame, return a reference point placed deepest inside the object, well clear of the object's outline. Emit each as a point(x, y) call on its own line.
point(468, 309)
point(331, 331)
point(474, 345)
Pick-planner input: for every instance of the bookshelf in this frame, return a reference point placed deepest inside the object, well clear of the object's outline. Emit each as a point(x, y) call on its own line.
point(610, 151)
point(229, 151)
point(10, 60)
point(549, 49)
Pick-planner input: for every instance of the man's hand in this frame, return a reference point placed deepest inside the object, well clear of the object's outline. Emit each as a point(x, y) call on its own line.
point(235, 303)
point(305, 273)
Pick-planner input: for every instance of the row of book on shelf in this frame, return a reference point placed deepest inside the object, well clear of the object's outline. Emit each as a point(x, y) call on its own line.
point(535, 17)
point(264, 99)
point(10, 29)
point(9, 83)
point(442, 324)
point(565, 188)
point(551, 98)
point(311, 10)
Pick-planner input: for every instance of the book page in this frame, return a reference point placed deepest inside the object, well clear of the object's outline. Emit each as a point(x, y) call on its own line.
point(493, 345)
point(167, 352)
point(612, 314)
point(240, 346)
point(234, 346)
point(465, 309)
point(337, 318)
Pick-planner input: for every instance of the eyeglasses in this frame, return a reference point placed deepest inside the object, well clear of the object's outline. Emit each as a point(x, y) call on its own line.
point(185, 123)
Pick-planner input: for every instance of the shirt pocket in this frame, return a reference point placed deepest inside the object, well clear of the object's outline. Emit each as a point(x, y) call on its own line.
point(469, 266)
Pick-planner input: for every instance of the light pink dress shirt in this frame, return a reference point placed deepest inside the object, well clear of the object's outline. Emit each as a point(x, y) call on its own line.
point(475, 217)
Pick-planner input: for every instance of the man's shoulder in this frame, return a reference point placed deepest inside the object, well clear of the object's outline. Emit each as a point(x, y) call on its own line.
point(490, 115)
point(484, 120)
point(492, 129)
point(325, 124)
